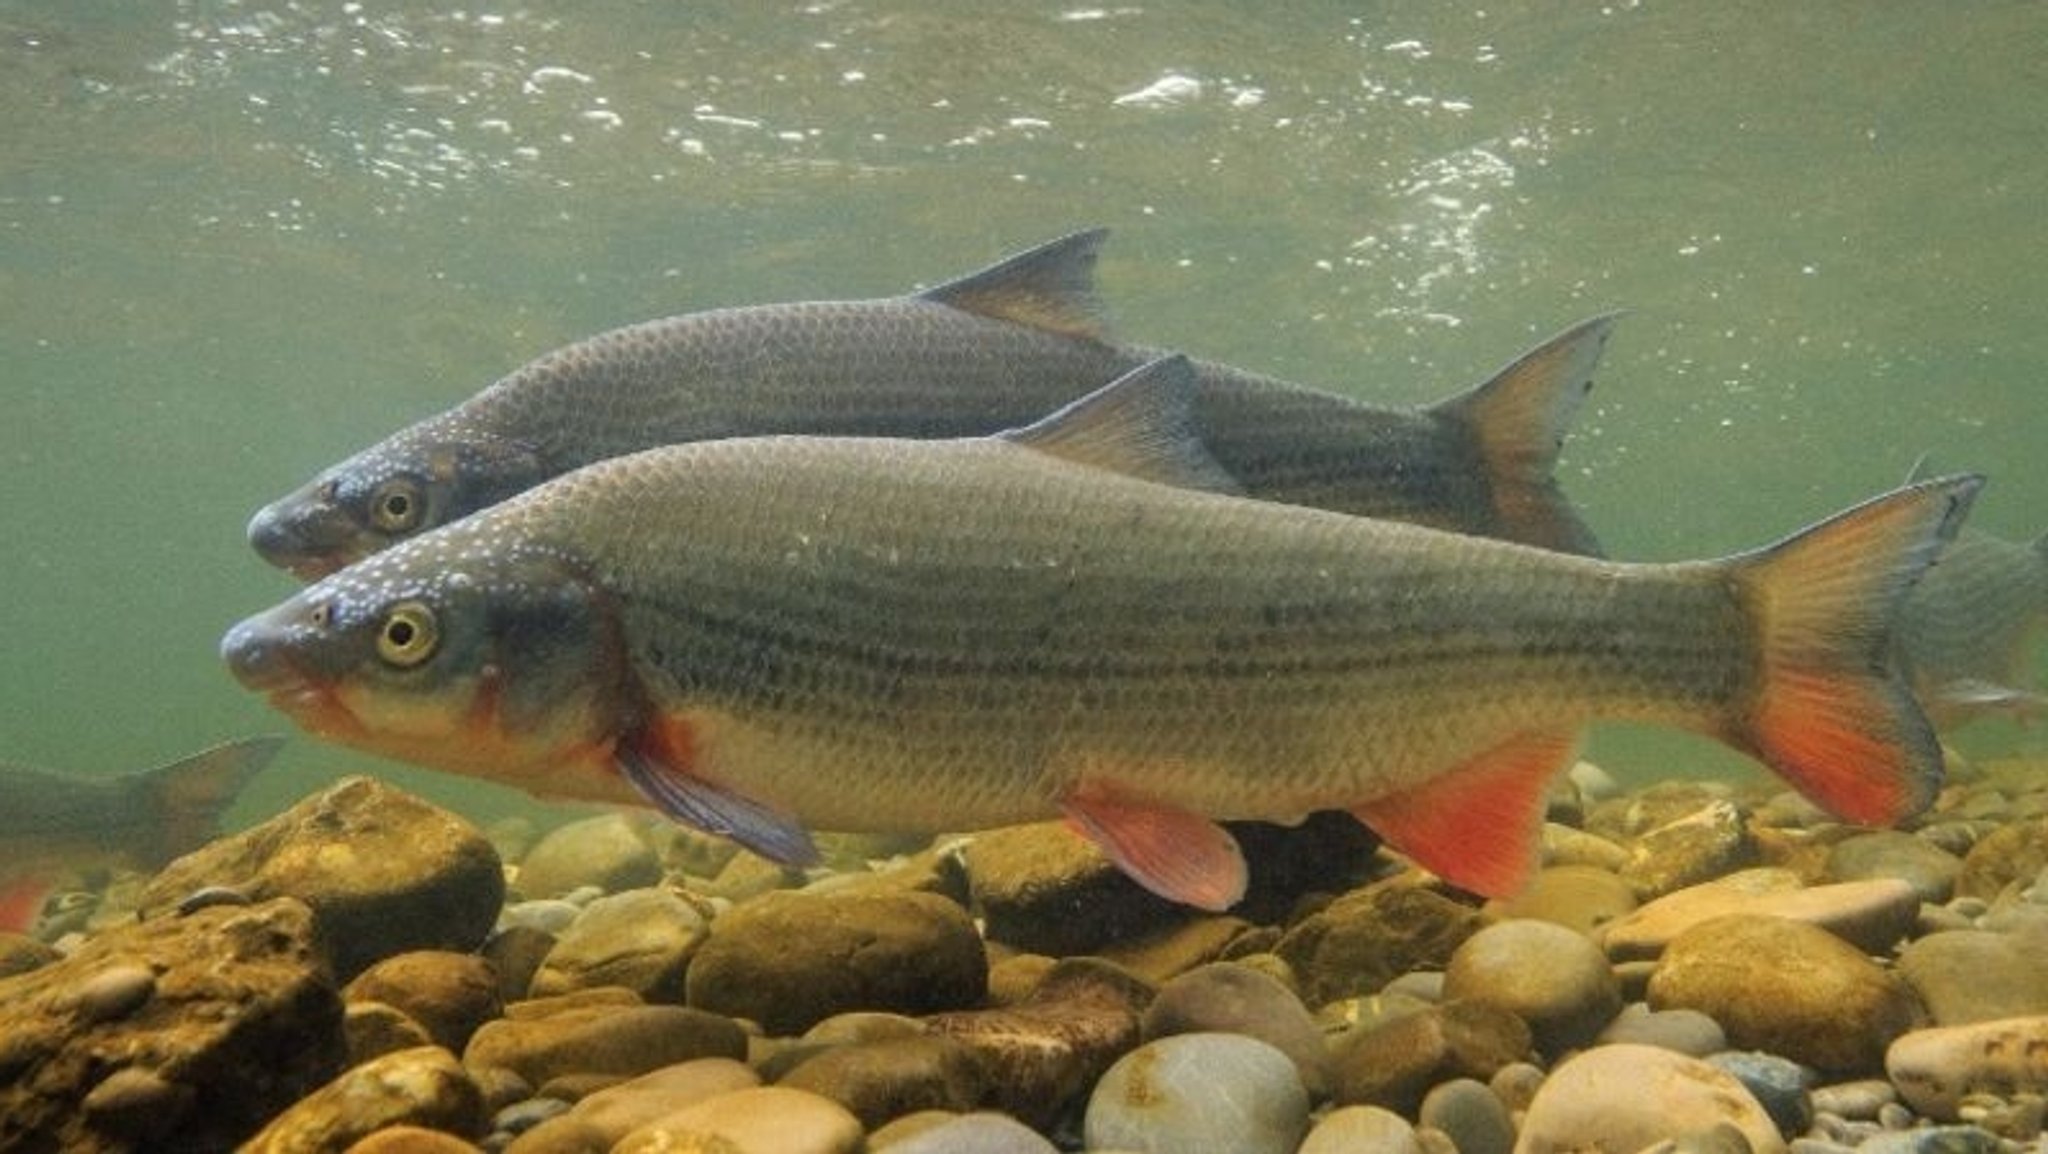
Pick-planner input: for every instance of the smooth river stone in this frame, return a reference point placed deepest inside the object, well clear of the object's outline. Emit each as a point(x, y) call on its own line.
point(1871, 915)
point(641, 939)
point(760, 1120)
point(1551, 977)
point(1975, 975)
point(1199, 1094)
point(1627, 1098)
point(1936, 1069)
point(1358, 1129)
point(1226, 997)
point(1891, 853)
point(609, 852)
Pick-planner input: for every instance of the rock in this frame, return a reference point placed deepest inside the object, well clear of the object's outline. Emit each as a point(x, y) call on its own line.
point(1933, 1140)
point(20, 953)
point(412, 1140)
point(1778, 1085)
point(448, 994)
point(515, 954)
point(1857, 1100)
point(761, 1120)
point(788, 959)
point(1787, 988)
point(205, 1026)
point(939, 869)
point(1042, 888)
point(383, 872)
point(374, 1029)
point(2008, 854)
point(1355, 1129)
point(1936, 1069)
point(424, 1087)
point(1697, 847)
point(1552, 978)
point(1889, 853)
point(600, 1119)
point(608, 852)
point(937, 1132)
point(1625, 817)
point(1685, 1031)
point(1178, 947)
point(1369, 937)
point(622, 1040)
point(1199, 1094)
point(886, 1079)
point(1577, 897)
point(1975, 976)
point(1466, 1110)
point(1871, 915)
point(1043, 1054)
point(1395, 1064)
point(641, 940)
point(1227, 997)
point(1626, 1097)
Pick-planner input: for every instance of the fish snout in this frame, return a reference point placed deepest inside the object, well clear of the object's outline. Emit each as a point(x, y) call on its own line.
point(257, 652)
point(307, 539)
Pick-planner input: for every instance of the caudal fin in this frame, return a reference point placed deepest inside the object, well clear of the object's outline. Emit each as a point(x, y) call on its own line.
point(188, 796)
point(1834, 714)
point(1518, 418)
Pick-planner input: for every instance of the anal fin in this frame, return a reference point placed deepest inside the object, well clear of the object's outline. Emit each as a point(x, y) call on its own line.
point(1181, 856)
point(1479, 825)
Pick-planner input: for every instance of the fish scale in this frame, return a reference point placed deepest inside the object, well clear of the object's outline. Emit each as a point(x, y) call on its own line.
point(859, 633)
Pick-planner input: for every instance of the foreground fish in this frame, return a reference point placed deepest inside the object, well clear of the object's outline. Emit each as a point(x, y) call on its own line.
point(52, 823)
point(759, 635)
point(1966, 629)
point(987, 352)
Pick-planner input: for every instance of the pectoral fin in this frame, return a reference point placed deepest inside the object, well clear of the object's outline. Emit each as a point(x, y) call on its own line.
point(675, 791)
point(1181, 856)
point(1479, 825)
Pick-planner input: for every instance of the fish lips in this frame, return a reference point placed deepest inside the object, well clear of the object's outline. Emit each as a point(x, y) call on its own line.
point(260, 653)
point(303, 535)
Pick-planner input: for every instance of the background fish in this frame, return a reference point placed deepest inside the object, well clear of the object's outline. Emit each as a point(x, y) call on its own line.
point(52, 823)
point(760, 634)
point(983, 353)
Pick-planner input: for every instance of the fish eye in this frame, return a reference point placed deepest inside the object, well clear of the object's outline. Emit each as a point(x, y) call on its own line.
point(396, 507)
point(322, 615)
point(408, 635)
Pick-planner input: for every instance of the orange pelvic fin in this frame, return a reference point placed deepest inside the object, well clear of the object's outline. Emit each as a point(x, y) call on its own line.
point(1833, 715)
point(1518, 419)
point(1477, 826)
point(658, 764)
point(1181, 856)
point(21, 901)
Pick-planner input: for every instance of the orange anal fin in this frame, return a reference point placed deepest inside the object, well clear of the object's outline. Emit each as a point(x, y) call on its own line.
point(21, 902)
point(1477, 826)
point(1181, 856)
point(658, 765)
point(1847, 744)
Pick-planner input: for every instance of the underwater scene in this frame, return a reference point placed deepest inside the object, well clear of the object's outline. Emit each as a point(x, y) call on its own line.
point(874, 576)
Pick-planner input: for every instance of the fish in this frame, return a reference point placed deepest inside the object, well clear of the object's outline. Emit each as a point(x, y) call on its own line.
point(1078, 618)
point(56, 824)
point(1967, 629)
point(994, 349)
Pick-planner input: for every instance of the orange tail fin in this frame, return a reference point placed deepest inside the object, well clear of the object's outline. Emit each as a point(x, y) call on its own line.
point(1834, 716)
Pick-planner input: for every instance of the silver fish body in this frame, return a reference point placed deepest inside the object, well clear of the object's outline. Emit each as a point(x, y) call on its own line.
point(759, 634)
point(989, 351)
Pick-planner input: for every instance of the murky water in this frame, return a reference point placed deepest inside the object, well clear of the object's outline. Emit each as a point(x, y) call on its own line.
point(239, 240)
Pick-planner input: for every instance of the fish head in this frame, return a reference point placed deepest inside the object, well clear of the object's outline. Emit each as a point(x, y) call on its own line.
point(423, 477)
point(454, 650)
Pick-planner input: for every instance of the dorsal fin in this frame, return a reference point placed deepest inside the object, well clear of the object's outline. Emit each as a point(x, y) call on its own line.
point(188, 795)
point(1051, 287)
point(1918, 472)
point(1140, 424)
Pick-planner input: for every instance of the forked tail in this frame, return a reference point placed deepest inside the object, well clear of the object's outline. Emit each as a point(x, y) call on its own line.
point(1833, 714)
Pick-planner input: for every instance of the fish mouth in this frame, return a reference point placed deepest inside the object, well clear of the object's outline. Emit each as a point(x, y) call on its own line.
point(307, 541)
point(261, 659)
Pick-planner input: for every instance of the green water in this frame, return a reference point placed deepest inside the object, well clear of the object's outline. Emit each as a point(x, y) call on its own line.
point(240, 240)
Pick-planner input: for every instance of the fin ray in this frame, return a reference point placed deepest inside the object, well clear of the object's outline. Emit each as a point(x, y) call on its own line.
point(1479, 825)
point(1181, 856)
point(1140, 425)
point(648, 765)
point(1051, 287)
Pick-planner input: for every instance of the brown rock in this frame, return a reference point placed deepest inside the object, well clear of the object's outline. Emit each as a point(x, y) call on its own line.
point(176, 1033)
point(762, 1120)
point(2008, 854)
point(618, 1040)
point(425, 1087)
point(413, 1140)
point(1577, 897)
point(1395, 1064)
point(1872, 915)
point(1696, 847)
point(1968, 976)
point(1369, 937)
point(609, 852)
point(1936, 1070)
point(1628, 1098)
point(1551, 977)
point(383, 872)
point(886, 1079)
point(448, 994)
point(617, 1110)
point(787, 959)
point(1788, 988)
point(374, 1029)
point(642, 940)
point(1042, 888)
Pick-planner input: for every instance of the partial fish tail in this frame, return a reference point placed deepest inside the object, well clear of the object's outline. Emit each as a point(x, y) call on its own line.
point(1834, 714)
point(188, 795)
point(1517, 420)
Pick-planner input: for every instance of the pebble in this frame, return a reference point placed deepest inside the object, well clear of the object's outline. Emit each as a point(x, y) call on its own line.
point(940, 1132)
point(114, 992)
point(1469, 1113)
point(2008, 854)
point(1395, 1064)
point(1354, 1129)
point(641, 940)
point(1860, 1099)
point(1199, 1094)
point(1369, 937)
point(758, 1120)
point(420, 1087)
point(1778, 1085)
point(880, 1080)
point(412, 1140)
point(788, 959)
point(1936, 1069)
point(619, 1040)
point(1577, 897)
point(1873, 915)
point(374, 1029)
point(1684, 1031)
point(1976, 975)
point(1928, 868)
point(548, 915)
point(1043, 889)
point(1933, 1140)
point(608, 852)
point(1553, 978)
point(603, 1117)
point(1231, 998)
point(1626, 1097)
point(1701, 845)
point(448, 994)
point(1787, 988)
